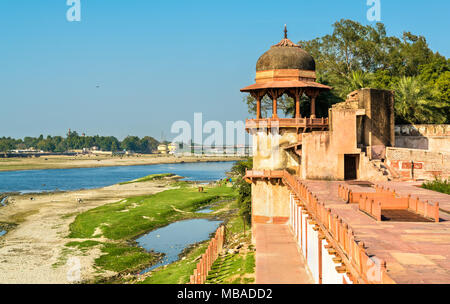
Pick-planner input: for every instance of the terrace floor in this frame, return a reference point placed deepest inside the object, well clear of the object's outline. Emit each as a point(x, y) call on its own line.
point(415, 252)
point(278, 260)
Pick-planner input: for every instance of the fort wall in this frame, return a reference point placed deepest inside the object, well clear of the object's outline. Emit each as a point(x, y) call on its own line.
point(269, 202)
point(269, 154)
point(418, 164)
point(323, 153)
point(433, 138)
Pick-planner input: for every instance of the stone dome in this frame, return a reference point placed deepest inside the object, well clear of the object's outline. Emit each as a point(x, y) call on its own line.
point(286, 55)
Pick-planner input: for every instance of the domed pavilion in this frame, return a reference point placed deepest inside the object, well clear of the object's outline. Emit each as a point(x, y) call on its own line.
point(286, 69)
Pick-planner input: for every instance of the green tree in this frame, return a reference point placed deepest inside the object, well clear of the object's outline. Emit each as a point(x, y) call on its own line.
point(431, 71)
point(244, 189)
point(442, 87)
point(442, 93)
point(414, 103)
point(131, 143)
point(6, 144)
point(114, 146)
point(148, 145)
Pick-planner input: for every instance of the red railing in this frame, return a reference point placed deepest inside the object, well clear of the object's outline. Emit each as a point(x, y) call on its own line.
point(426, 209)
point(215, 247)
point(388, 200)
point(371, 207)
point(321, 123)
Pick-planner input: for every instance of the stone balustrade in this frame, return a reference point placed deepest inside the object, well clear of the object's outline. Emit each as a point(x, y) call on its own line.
point(269, 123)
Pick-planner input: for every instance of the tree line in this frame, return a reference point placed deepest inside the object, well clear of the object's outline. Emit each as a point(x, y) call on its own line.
point(73, 141)
point(355, 56)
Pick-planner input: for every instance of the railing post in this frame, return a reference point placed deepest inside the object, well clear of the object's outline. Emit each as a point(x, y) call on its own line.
point(361, 252)
point(379, 214)
point(436, 212)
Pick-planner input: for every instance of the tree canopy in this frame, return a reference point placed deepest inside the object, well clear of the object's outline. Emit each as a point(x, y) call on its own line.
point(73, 141)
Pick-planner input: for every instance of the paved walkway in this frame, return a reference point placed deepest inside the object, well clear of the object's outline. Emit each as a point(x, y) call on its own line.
point(278, 260)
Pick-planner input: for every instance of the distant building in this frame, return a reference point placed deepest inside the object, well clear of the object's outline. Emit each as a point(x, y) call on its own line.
point(27, 151)
point(162, 149)
point(172, 148)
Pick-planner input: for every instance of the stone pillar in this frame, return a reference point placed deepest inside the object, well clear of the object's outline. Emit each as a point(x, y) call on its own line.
point(313, 106)
point(258, 108)
point(312, 94)
point(274, 108)
point(297, 105)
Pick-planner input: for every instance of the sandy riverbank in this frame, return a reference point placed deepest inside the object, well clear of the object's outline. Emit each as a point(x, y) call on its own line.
point(29, 252)
point(87, 161)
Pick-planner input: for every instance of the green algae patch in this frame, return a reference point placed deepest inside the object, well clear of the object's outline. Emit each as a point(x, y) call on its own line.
point(149, 178)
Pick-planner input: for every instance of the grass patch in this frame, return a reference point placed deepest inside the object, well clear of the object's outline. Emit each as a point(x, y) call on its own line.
point(83, 245)
point(149, 178)
point(233, 269)
point(132, 217)
point(122, 258)
point(63, 257)
point(438, 185)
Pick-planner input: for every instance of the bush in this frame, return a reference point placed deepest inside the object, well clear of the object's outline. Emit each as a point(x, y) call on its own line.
point(438, 185)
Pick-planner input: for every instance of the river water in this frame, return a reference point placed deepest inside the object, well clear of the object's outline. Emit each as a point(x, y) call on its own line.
point(91, 178)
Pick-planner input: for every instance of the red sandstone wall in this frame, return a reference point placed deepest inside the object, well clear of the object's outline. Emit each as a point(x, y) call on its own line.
point(323, 152)
point(418, 164)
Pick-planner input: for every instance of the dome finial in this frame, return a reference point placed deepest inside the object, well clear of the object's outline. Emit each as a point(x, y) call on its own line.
point(286, 42)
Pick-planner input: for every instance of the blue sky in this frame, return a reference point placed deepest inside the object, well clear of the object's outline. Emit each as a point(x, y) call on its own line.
point(160, 61)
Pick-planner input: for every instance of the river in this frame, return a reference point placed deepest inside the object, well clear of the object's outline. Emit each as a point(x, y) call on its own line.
point(91, 178)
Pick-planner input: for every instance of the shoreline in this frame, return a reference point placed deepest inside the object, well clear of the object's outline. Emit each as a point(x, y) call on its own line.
point(69, 162)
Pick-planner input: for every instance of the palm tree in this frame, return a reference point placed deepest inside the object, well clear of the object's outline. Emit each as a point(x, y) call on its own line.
point(354, 81)
point(414, 103)
point(357, 80)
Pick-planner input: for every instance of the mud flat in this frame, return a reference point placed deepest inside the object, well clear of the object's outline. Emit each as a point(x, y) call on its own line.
point(30, 250)
point(90, 161)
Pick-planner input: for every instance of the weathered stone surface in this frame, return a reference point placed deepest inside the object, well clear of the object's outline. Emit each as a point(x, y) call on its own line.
point(282, 57)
